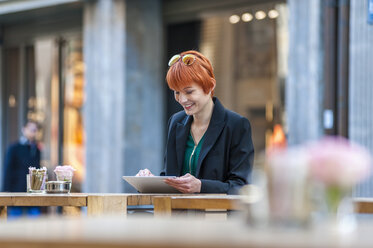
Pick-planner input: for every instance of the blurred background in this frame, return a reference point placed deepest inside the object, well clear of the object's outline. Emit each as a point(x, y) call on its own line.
point(92, 73)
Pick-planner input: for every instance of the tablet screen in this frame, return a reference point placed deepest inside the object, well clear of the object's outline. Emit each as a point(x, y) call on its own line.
point(153, 184)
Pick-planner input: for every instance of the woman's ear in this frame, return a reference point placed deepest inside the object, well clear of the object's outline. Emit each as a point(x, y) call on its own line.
point(213, 87)
point(211, 92)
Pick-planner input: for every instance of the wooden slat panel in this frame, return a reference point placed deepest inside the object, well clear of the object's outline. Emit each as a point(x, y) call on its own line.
point(139, 199)
point(201, 203)
point(147, 199)
point(24, 199)
point(364, 205)
point(49, 201)
point(162, 206)
point(108, 204)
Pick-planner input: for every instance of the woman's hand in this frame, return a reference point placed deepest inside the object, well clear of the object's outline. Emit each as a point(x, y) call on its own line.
point(144, 173)
point(185, 184)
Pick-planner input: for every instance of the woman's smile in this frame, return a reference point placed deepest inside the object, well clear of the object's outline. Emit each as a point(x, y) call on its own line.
point(188, 106)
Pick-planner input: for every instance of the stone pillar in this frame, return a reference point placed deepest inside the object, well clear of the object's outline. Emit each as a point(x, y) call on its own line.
point(304, 82)
point(145, 82)
point(217, 43)
point(2, 149)
point(104, 107)
point(360, 84)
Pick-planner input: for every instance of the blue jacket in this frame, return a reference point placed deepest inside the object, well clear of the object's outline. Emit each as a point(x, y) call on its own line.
point(226, 158)
point(19, 157)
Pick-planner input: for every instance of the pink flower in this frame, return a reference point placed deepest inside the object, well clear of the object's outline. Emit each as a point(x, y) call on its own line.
point(64, 173)
point(335, 161)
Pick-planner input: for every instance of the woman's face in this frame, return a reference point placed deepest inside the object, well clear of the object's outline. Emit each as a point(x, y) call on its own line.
point(192, 98)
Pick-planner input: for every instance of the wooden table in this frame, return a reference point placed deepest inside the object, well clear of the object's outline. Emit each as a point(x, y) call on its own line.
point(182, 233)
point(97, 204)
point(163, 205)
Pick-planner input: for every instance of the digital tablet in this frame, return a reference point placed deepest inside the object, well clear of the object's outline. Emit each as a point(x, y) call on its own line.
point(153, 184)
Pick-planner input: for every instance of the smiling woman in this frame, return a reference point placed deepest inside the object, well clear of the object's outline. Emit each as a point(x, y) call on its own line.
point(204, 126)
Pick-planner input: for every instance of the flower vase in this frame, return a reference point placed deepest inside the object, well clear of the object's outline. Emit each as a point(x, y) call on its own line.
point(288, 193)
point(64, 173)
point(338, 216)
point(64, 178)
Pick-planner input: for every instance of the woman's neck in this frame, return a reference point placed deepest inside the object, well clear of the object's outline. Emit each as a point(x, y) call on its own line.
point(203, 117)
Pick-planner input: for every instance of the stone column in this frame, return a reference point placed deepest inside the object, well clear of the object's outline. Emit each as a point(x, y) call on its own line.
point(2, 150)
point(304, 82)
point(360, 83)
point(145, 82)
point(104, 107)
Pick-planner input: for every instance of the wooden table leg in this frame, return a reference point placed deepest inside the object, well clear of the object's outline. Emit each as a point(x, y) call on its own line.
point(71, 211)
point(162, 206)
point(107, 205)
point(3, 212)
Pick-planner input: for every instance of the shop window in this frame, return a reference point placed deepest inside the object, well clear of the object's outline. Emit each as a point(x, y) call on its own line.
point(55, 96)
point(73, 130)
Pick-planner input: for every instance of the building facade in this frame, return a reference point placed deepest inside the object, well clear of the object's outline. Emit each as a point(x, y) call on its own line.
point(328, 85)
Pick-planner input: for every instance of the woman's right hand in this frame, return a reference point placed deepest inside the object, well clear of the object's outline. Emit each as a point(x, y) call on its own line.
point(144, 173)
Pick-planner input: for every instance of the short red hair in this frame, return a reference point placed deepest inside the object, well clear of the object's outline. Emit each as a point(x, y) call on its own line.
point(180, 76)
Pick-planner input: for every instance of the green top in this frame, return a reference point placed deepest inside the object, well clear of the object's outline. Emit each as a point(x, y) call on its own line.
point(191, 155)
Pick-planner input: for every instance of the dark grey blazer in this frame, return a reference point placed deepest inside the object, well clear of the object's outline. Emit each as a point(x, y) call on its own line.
point(227, 153)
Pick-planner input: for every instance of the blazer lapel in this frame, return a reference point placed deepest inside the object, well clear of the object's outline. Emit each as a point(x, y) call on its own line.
point(182, 131)
point(216, 125)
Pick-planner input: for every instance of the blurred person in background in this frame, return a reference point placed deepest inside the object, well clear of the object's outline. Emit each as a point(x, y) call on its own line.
point(19, 157)
point(209, 148)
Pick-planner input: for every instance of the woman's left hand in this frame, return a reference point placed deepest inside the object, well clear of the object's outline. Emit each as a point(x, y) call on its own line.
point(185, 184)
